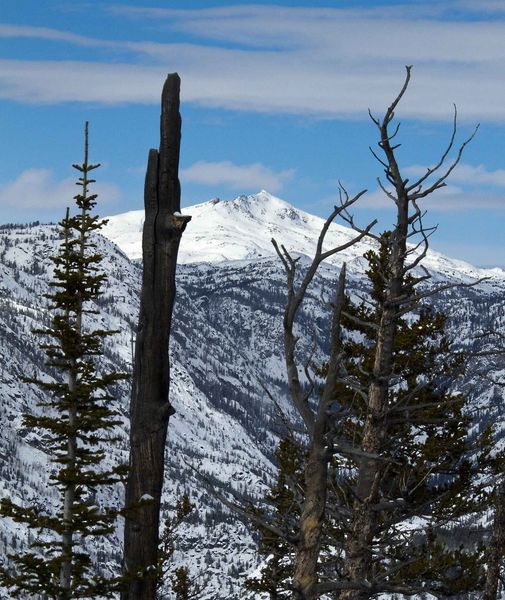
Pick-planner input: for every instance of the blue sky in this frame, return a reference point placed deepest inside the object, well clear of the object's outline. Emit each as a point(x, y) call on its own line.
point(274, 96)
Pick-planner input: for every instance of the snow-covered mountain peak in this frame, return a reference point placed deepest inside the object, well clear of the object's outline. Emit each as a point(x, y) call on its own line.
point(239, 229)
point(261, 208)
point(243, 228)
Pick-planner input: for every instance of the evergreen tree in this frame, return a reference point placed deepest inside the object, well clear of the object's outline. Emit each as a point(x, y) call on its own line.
point(425, 481)
point(428, 480)
point(285, 501)
point(76, 423)
point(181, 584)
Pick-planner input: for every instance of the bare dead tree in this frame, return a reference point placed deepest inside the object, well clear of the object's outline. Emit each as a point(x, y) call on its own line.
point(150, 407)
point(316, 416)
point(316, 469)
point(354, 522)
point(400, 297)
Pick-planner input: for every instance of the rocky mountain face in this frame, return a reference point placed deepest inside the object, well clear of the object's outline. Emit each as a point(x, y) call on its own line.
point(226, 351)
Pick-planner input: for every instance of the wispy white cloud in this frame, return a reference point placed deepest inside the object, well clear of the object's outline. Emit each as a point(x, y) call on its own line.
point(236, 177)
point(342, 34)
point(38, 188)
point(473, 175)
point(483, 6)
point(47, 33)
point(469, 187)
point(429, 9)
point(78, 81)
point(451, 198)
point(327, 62)
point(252, 84)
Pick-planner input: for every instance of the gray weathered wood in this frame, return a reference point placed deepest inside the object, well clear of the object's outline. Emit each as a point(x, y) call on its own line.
point(312, 519)
point(305, 577)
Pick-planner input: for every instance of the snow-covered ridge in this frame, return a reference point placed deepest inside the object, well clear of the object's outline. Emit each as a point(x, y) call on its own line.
point(242, 229)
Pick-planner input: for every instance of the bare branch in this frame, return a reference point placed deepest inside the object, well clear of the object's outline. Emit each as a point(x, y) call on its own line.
point(440, 182)
point(348, 218)
point(386, 191)
point(350, 243)
point(285, 420)
point(374, 119)
point(360, 322)
point(335, 360)
point(295, 298)
point(431, 170)
point(412, 301)
point(346, 449)
point(378, 158)
point(391, 110)
point(280, 255)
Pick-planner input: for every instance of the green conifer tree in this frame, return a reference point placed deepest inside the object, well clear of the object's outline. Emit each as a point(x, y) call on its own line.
point(76, 422)
point(181, 584)
point(180, 581)
point(285, 501)
point(426, 480)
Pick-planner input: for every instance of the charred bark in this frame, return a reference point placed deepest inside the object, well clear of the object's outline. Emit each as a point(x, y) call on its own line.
point(150, 407)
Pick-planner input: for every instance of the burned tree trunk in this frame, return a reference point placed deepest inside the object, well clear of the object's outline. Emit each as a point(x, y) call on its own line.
point(150, 407)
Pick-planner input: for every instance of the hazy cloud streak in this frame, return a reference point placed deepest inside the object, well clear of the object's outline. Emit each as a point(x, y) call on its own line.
point(474, 175)
point(323, 62)
point(48, 82)
point(37, 188)
point(47, 33)
point(236, 177)
point(449, 199)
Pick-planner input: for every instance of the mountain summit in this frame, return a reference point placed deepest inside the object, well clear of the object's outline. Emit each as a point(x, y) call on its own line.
point(239, 229)
point(242, 229)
